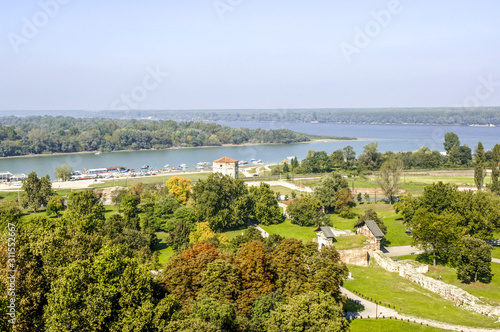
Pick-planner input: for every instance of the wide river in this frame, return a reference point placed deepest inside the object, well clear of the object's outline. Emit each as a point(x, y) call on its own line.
point(390, 138)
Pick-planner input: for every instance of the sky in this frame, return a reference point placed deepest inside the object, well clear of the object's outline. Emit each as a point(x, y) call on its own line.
point(248, 54)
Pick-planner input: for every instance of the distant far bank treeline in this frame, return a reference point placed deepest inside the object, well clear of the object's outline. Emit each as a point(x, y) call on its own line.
point(397, 116)
point(46, 134)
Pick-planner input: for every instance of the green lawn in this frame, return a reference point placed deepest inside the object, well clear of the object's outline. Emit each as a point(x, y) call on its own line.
point(232, 233)
point(109, 210)
point(489, 293)
point(287, 229)
point(164, 251)
point(284, 190)
point(388, 325)
point(396, 231)
point(495, 253)
point(410, 298)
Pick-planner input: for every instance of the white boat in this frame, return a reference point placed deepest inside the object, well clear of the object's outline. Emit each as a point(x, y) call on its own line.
point(166, 166)
point(242, 162)
point(97, 153)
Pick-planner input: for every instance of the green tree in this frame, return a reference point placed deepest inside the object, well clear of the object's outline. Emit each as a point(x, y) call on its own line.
point(406, 206)
point(370, 158)
point(349, 156)
point(63, 172)
point(389, 176)
point(495, 169)
point(479, 166)
point(306, 211)
point(106, 292)
point(130, 203)
point(262, 308)
point(55, 206)
point(327, 189)
point(312, 311)
point(266, 209)
point(450, 141)
point(474, 260)
point(220, 315)
point(436, 233)
point(221, 281)
point(370, 214)
point(37, 191)
point(85, 211)
point(222, 201)
point(179, 237)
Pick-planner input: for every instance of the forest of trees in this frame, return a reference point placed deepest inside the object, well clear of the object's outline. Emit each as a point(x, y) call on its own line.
point(46, 134)
point(83, 270)
point(400, 116)
point(457, 156)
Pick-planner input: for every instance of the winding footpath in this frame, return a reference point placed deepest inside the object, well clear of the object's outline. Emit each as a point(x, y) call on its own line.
point(371, 309)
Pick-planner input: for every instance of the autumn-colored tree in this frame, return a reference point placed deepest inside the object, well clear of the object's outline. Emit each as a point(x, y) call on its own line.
point(289, 267)
point(180, 187)
point(182, 276)
point(204, 233)
point(344, 202)
point(256, 276)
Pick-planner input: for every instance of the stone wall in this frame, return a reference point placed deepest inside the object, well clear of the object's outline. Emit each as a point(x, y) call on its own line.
point(414, 271)
point(357, 256)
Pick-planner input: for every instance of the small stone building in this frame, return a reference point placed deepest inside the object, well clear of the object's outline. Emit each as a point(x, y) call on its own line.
point(325, 236)
point(370, 229)
point(226, 166)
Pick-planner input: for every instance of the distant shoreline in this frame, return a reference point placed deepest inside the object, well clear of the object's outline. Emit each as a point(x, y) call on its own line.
point(181, 147)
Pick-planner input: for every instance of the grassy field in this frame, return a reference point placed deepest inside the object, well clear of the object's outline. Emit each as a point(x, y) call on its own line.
point(161, 247)
point(495, 253)
point(489, 293)
point(232, 233)
point(410, 298)
point(284, 190)
point(287, 229)
point(386, 325)
point(396, 231)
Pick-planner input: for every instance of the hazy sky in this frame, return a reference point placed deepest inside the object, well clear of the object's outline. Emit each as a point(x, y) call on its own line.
point(94, 55)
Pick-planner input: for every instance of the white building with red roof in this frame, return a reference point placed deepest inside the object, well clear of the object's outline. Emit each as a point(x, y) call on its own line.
point(226, 166)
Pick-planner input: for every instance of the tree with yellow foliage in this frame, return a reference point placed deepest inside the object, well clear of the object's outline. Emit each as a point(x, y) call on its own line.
point(203, 233)
point(180, 187)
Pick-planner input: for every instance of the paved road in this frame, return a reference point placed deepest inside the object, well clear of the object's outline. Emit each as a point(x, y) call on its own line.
point(495, 260)
point(401, 251)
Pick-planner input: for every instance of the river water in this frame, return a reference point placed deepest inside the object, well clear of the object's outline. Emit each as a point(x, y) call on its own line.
point(390, 138)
